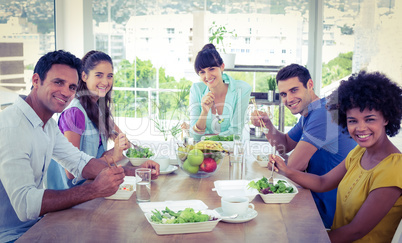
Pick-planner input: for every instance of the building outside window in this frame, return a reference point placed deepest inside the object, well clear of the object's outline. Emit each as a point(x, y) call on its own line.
point(161, 39)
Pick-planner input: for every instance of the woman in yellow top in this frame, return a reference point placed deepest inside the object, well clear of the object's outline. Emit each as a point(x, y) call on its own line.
point(369, 180)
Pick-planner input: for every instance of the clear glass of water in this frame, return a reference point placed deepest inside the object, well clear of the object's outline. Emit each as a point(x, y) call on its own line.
point(236, 167)
point(143, 184)
point(238, 147)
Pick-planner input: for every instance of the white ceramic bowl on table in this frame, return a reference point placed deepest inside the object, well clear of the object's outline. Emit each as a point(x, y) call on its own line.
point(226, 188)
point(137, 161)
point(279, 197)
point(262, 159)
point(166, 229)
point(185, 228)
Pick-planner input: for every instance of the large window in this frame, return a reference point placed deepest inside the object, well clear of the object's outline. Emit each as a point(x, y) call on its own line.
point(153, 43)
point(162, 39)
point(26, 33)
point(361, 35)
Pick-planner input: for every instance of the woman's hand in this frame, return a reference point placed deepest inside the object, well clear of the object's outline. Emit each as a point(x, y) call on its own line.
point(207, 101)
point(121, 143)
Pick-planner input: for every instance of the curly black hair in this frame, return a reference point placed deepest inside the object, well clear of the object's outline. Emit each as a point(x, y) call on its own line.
point(368, 90)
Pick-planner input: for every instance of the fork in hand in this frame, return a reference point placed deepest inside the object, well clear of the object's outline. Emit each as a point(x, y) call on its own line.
point(271, 178)
point(136, 147)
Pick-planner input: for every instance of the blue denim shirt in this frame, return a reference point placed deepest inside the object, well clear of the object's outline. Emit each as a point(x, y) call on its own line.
point(56, 177)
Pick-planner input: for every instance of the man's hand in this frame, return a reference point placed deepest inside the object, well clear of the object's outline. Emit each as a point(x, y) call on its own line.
point(278, 163)
point(255, 118)
point(108, 181)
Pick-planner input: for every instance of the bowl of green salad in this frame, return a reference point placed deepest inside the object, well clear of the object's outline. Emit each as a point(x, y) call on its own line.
point(167, 221)
point(282, 191)
point(139, 155)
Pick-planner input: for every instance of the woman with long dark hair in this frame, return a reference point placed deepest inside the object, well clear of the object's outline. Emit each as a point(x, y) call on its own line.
point(87, 122)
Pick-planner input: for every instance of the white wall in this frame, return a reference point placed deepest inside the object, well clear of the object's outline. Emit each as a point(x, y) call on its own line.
point(74, 26)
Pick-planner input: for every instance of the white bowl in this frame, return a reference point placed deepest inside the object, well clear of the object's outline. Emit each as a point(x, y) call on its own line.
point(234, 188)
point(168, 229)
point(124, 194)
point(262, 160)
point(137, 161)
point(279, 197)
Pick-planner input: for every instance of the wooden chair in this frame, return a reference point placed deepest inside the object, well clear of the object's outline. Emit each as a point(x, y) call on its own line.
point(398, 234)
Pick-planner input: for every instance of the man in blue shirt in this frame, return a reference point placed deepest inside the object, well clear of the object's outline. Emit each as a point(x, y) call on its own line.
point(29, 139)
point(317, 142)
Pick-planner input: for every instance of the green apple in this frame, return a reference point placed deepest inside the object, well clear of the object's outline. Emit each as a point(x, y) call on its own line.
point(189, 168)
point(195, 157)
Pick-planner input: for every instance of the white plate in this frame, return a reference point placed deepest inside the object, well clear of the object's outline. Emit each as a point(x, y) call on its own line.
point(169, 169)
point(124, 195)
point(251, 214)
point(234, 188)
point(174, 161)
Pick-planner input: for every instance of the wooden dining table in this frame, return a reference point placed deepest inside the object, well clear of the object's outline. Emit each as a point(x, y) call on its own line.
point(105, 220)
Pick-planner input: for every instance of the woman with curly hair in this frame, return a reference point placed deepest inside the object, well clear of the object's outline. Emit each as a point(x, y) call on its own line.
point(369, 181)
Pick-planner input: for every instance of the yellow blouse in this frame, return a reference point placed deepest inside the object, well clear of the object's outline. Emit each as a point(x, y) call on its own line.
point(356, 186)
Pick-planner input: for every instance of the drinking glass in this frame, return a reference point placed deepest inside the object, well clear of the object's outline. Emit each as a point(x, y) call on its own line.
point(143, 184)
point(236, 167)
point(238, 147)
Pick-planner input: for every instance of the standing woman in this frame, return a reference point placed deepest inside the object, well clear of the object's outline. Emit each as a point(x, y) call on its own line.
point(87, 121)
point(218, 103)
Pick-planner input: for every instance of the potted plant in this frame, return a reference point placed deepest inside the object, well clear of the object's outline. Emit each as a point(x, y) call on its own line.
point(219, 33)
point(271, 82)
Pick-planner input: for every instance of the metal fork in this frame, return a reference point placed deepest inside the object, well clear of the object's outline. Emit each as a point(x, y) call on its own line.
point(271, 178)
point(136, 147)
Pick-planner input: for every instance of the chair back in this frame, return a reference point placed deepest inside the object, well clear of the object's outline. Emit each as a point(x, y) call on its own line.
point(398, 234)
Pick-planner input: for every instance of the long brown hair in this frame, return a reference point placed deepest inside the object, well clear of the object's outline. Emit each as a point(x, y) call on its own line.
point(99, 113)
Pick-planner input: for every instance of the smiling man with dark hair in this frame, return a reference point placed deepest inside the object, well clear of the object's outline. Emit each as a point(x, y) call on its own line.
point(317, 143)
point(29, 139)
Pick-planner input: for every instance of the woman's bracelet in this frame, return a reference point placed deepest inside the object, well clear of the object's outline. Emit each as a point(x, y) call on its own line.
point(197, 130)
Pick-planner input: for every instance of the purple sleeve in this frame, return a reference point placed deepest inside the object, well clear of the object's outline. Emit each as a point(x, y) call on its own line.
point(72, 120)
